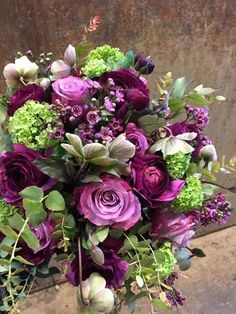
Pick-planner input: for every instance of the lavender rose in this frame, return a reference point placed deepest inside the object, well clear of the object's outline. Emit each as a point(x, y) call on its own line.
point(137, 137)
point(175, 227)
point(110, 202)
point(71, 90)
point(135, 91)
point(152, 182)
point(113, 269)
point(17, 172)
point(47, 244)
point(28, 92)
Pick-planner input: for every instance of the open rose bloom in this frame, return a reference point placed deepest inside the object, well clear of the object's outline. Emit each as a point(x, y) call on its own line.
point(96, 172)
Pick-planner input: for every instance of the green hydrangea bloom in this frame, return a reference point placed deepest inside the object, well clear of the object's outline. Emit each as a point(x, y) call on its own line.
point(177, 164)
point(190, 197)
point(30, 125)
point(6, 211)
point(102, 59)
point(167, 267)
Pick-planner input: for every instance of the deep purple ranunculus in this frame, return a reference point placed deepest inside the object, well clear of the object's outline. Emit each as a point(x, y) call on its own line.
point(137, 99)
point(47, 243)
point(113, 269)
point(135, 91)
point(71, 90)
point(183, 127)
point(28, 92)
point(137, 137)
point(17, 172)
point(175, 227)
point(143, 64)
point(152, 182)
point(108, 203)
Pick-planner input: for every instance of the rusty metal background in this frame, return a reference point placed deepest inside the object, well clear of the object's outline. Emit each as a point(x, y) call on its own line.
point(192, 37)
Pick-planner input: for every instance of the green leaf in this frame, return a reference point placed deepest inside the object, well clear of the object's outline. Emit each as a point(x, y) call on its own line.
point(116, 233)
point(69, 221)
point(208, 175)
point(90, 178)
point(23, 260)
point(100, 234)
point(144, 229)
point(160, 257)
point(150, 123)
point(32, 193)
point(8, 232)
point(195, 99)
point(54, 168)
point(4, 261)
point(179, 88)
point(3, 113)
point(55, 201)
point(129, 59)
point(158, 303)
point(16, 222)
point(34, 210)
point(176, 105)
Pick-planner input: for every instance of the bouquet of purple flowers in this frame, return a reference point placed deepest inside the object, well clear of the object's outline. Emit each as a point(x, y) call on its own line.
point(99, 175)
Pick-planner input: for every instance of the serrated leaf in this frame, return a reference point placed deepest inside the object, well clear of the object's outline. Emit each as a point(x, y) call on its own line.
point(55, 201)
point(150, 123)
point(54, 168)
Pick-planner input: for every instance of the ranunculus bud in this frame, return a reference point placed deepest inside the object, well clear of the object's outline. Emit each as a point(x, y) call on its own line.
point(143, 64)
point(97, 255)
point(208, 153)
point(70, 55)
point(96, 295)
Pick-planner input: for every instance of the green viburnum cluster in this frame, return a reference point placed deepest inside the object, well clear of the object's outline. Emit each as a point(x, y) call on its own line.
point(31, 125)
point(177, 164)
point(102, 59)
point(191, 196)
point(6, 211)
point(167, 267)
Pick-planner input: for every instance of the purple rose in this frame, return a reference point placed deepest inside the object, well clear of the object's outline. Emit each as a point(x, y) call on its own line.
point(137, 137)
point(110, 202)
point(135, 91)
point(17, 172)
point(175, 227)
point(47, 244)
point(152, 182)
point(113, 269)
point(28, 92)
point(71, 90)
point(143, 64)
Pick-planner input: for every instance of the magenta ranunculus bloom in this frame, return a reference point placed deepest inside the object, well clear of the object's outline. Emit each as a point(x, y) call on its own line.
point(110, 202)
point(137, 137)
point(135, 91)
point(113, 269)
point(47, 243)
point(175, 227)
point(17, 172)
point(71, 90)
point(28, 92)
point(152, 182)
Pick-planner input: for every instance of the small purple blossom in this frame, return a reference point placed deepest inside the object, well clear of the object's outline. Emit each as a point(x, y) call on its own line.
point(200, 115)
point(93, 117)
point(116, 126)
point(76, 111)
point(105, 134)
point(119, 96)
point(109, 105)
point(216, 210)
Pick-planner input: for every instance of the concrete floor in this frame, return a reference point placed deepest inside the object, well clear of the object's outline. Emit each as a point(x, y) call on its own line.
point(209, 286)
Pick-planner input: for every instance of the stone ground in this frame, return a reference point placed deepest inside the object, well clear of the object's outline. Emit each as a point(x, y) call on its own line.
point(209, 286)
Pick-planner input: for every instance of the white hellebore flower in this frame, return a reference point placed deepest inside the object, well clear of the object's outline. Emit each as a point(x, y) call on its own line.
point(96, 296)
point(22, 70)
point(208, 153)
point(62, 68)
point(173, 144)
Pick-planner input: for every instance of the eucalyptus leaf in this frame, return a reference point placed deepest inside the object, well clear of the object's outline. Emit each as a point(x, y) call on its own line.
point(33, 193)
point(35, 211)
point(55, 201)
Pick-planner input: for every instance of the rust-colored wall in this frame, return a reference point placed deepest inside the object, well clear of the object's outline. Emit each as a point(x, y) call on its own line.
point(192, 37)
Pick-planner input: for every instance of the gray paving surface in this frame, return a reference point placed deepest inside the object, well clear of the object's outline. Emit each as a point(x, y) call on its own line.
point(209, 286)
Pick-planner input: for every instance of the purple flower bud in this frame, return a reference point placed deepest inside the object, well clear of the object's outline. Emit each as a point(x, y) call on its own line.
point(143, 64)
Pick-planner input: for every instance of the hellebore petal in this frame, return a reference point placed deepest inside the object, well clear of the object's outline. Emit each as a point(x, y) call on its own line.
point(70, 55)
point(26, 68)
point(121, 149)
point(208, 153)
point(103, 301)
point(60, 69)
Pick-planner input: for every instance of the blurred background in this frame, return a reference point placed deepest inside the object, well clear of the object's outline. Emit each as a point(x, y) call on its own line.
point(195, 38)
